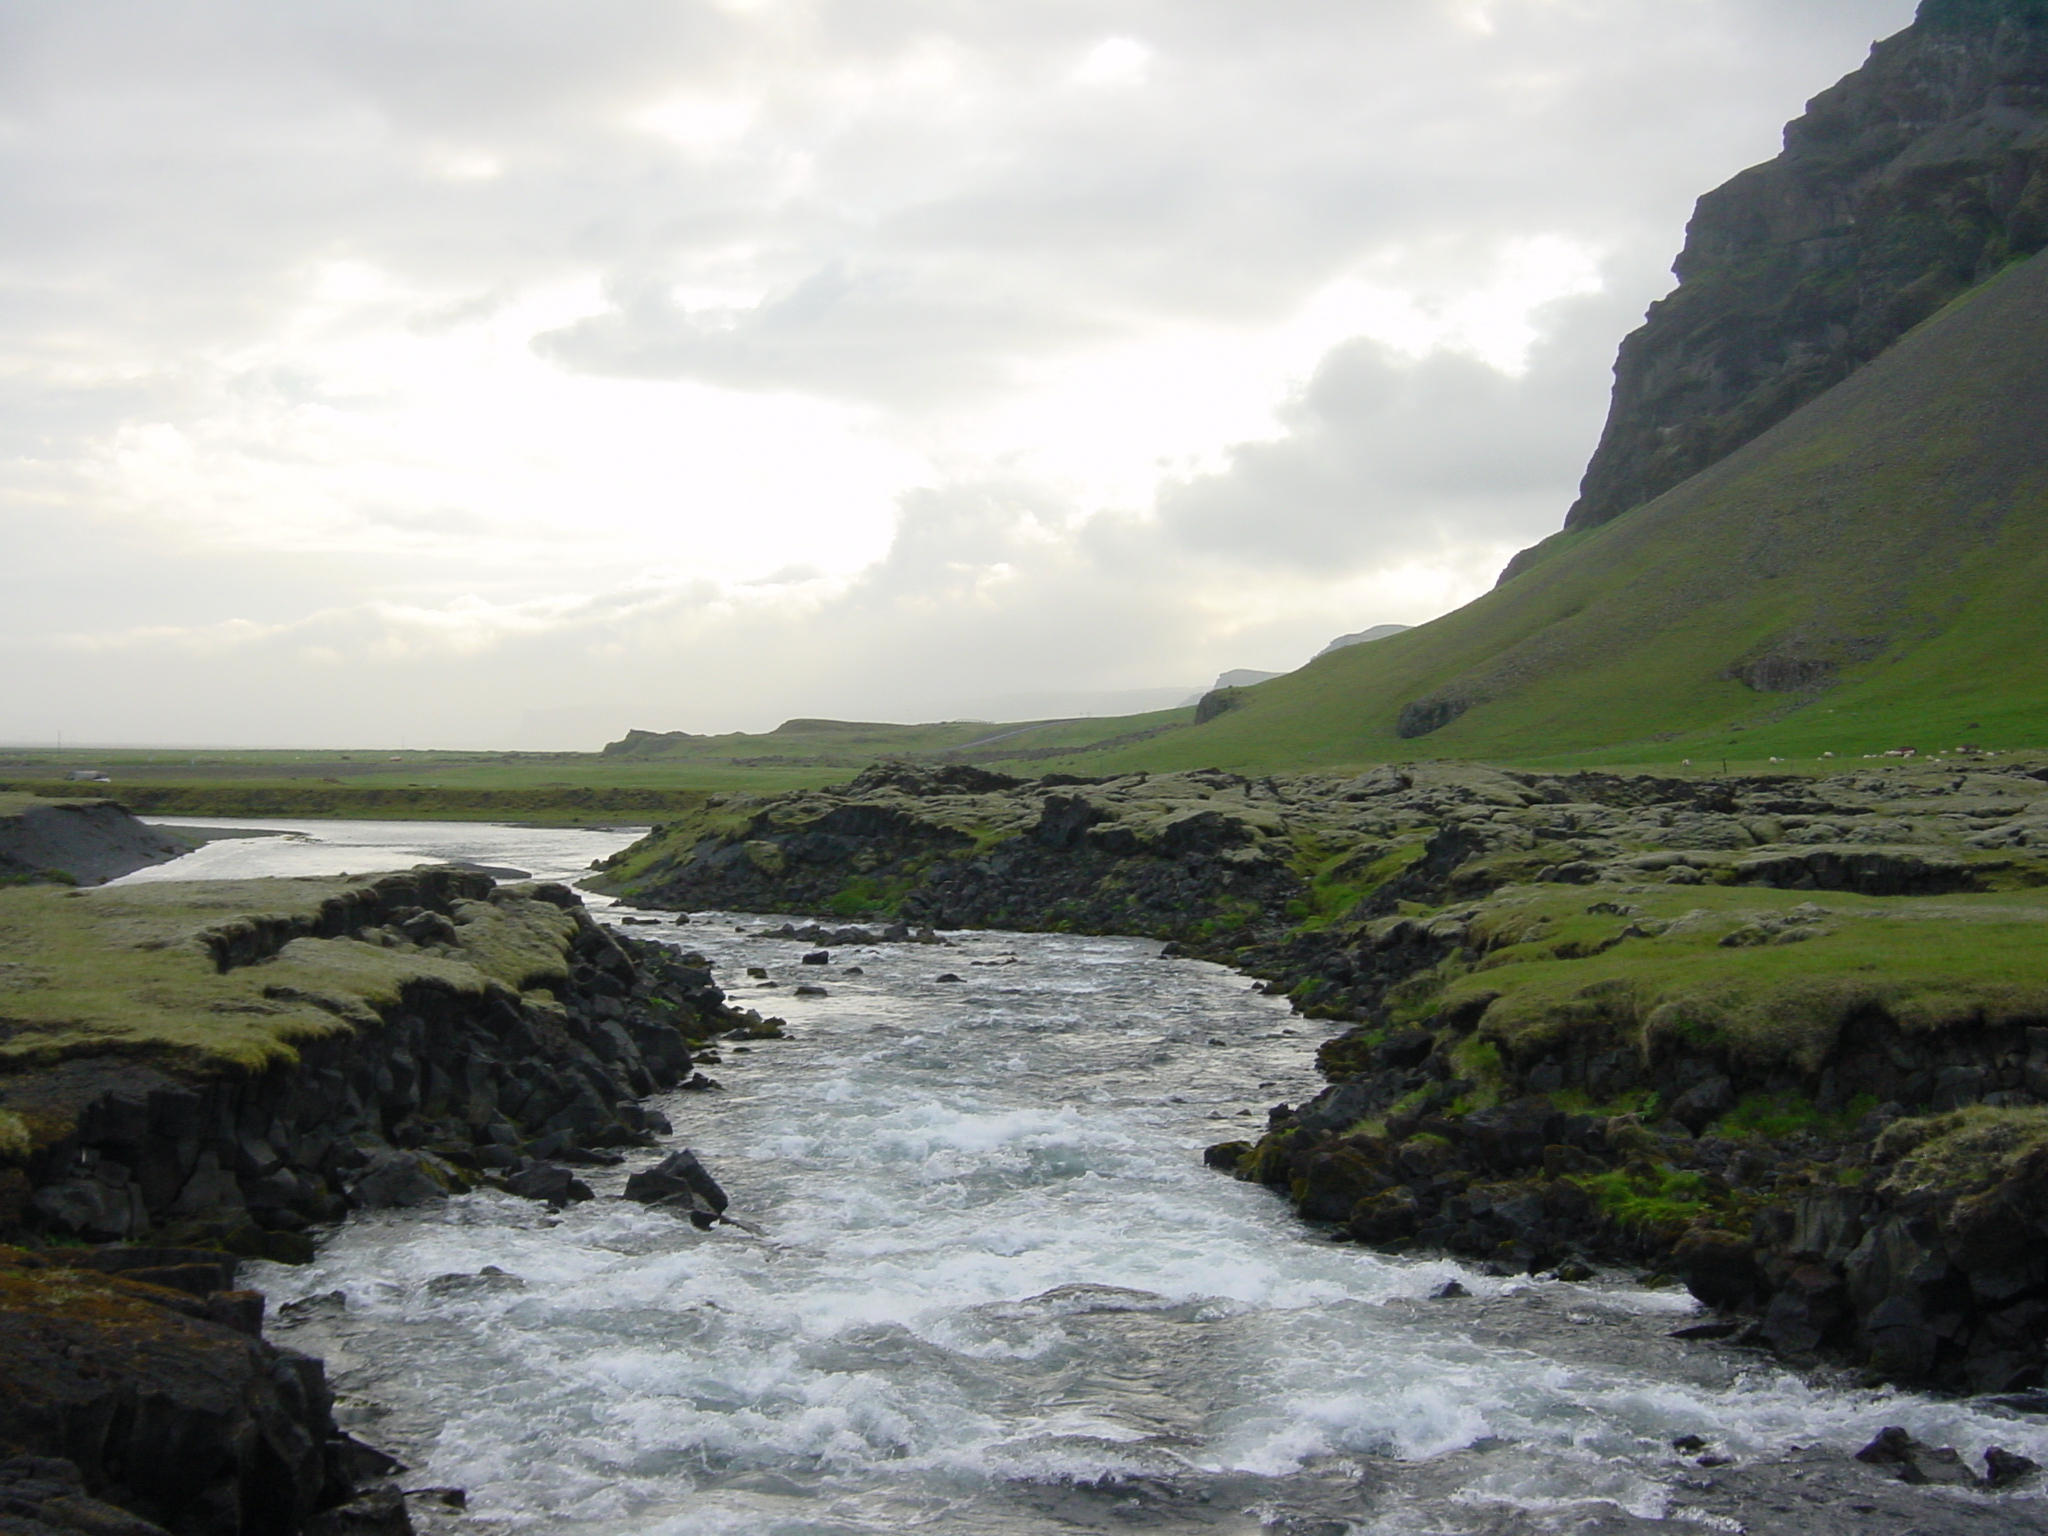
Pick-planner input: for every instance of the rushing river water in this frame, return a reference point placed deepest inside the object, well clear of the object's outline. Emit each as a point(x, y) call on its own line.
point(996, 1292)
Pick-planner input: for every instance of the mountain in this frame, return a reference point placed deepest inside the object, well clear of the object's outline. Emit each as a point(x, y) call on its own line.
point(1245, 677)
point(1818, 517)
point(1864, 575)
point(1906, 184)
point(1363, 637)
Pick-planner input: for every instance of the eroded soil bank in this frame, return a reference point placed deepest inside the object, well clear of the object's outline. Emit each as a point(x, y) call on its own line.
point(76, 842)
point(1785, 1038)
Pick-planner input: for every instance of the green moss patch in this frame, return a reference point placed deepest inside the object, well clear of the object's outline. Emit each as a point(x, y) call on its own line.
point(1679, 968)
point(1649, 1196)
point(125, 970)
point(1961, 1152)
point(1773, 1116)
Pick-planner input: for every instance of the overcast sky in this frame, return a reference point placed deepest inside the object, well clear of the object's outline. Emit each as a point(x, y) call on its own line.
point(512, 372)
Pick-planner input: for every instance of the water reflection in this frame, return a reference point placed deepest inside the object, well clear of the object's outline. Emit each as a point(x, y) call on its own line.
point(358, 847)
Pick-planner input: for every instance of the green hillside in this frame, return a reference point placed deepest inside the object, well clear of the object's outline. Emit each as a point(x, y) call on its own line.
point(1873, 566)
point(838, 744)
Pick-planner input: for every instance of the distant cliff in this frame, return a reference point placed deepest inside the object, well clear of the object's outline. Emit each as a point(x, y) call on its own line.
point(1910, 181)
point(1365, 637)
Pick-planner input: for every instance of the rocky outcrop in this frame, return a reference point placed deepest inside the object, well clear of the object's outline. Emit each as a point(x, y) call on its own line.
point(636, 743)
point(437, 1088)
point(77, 842)
point(139, 1379)
point(1910, 181)
point(961, 847)
point(142, 1366)
point(1364, 637)
point(1824, 1228)
point(1419, 717)
point(1735, 1030)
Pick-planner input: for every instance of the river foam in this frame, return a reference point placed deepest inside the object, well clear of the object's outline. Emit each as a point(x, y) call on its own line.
point(998, 1292)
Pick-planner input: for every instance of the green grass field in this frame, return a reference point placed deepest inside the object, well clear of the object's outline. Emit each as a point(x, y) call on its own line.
point(556, 787)
point(1746, 972)
point(84, 972)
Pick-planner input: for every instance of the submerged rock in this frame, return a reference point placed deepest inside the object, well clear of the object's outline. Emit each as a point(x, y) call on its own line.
point(380, 1512)
point(1910, 1461)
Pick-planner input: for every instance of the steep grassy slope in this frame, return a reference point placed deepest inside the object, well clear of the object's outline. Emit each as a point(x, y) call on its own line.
point(1865, 575)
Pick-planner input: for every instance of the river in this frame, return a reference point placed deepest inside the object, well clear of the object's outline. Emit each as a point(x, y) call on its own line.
point(995, 1291)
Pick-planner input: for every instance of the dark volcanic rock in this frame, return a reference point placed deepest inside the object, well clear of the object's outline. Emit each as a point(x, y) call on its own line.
point(181, 1420)
point(1912, 1462)
point(547, 1181)
point(1914, 178)
point(41, 1494)
point(680, 1173)
point(394, 1179)
point(380, 1512)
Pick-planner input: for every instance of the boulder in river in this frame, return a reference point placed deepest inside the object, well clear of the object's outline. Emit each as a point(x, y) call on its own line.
point(380, 1512)
point(680, 1173)
point(547, 1181)
point(1911, 1461)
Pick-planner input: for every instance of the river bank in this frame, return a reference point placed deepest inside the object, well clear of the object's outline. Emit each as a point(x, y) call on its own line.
point(545, 805)
point(994, 1289)
point(995, 1293)
point(196, 1074)
point(82, 841)
point(1785, 1037)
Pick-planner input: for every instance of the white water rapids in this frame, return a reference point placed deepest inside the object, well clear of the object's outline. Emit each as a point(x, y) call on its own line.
point(998, 1292)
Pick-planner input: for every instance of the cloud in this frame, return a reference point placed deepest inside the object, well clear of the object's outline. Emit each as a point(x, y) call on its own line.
point(1114, 61)
point(847, 331)
point(376, 369)
point(1385, 457)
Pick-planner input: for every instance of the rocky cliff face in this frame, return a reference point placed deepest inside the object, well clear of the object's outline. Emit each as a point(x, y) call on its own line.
point(1911, 180)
